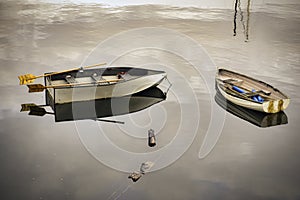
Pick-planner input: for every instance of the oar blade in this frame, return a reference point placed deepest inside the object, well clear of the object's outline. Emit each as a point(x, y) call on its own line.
point(26, 79)
point(37, 111)
point(35, 88)
point(27, 106)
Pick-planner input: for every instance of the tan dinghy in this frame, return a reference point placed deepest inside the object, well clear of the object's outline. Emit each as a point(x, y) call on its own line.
point(250, 93)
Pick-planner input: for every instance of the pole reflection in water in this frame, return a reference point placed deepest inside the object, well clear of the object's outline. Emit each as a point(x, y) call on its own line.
point(248, 20)
point(242, 16)
point(237, 5)
point(257, 118)
point(234, 18)
point(101, 107)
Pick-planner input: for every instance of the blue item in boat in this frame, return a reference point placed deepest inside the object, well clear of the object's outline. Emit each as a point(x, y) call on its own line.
point(257, 97)
point(260, 99)
point(236, 88)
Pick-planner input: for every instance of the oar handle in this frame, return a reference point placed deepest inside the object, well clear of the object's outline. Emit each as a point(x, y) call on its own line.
point(69, 70)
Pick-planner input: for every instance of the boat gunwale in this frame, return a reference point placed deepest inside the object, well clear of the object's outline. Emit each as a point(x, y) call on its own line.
point(102, 70)
point(95, 84)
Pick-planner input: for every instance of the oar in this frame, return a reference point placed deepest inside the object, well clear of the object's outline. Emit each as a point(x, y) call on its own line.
point(28, 106)
point(40, 87)
point(38, 111)
point(29, 78)
point(112, 121)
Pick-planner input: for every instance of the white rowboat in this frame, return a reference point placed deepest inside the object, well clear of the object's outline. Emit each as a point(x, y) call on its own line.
point(89, 84)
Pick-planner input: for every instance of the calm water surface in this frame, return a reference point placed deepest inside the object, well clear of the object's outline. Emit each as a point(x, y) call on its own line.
point(41, 159)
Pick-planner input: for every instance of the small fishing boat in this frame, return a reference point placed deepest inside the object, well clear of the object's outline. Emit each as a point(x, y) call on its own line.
point(99, 83)
point(249, 92)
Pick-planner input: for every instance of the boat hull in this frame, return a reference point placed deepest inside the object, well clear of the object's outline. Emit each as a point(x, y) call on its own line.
point(119, 89)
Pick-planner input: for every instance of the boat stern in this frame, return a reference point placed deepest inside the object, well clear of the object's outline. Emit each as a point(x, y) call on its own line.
point(275, 106)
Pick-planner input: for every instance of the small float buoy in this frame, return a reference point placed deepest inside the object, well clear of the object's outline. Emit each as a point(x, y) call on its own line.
point(151, 138)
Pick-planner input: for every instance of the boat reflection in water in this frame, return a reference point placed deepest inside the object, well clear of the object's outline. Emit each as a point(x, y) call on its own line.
point(257, 118)
point(100, 108)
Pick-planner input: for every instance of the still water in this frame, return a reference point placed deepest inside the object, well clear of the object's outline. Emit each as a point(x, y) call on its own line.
point(42, 159)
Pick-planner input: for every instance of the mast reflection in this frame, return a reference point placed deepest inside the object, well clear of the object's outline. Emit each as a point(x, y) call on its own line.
point(237, 8)
point(234, 18)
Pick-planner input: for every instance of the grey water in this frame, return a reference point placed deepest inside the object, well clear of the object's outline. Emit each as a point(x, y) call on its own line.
point(41, 159)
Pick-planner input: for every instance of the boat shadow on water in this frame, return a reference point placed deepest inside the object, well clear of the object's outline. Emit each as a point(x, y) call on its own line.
point(257, 118)
point(100, 108)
